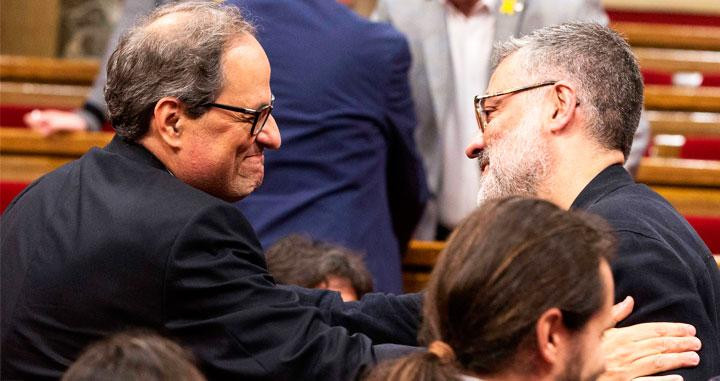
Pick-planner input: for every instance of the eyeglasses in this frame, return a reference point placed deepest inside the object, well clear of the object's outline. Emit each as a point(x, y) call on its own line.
point(480, 112)
point(260, 115)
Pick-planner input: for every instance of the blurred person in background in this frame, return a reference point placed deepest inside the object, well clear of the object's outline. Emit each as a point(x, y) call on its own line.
point(349, 172)
point(134, 355)
point(452, 44)
point(304, 262)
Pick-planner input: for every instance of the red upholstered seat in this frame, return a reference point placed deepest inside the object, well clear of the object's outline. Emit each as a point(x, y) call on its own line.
point(12, 115)
point(702, 148)
point(8, 191)
point(709, 230)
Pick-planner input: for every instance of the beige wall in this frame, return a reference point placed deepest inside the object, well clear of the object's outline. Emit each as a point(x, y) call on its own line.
point(29, 27)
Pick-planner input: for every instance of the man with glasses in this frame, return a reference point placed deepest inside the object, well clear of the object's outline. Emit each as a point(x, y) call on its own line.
point(563, 104)
point(451, 43)
point(142, 233)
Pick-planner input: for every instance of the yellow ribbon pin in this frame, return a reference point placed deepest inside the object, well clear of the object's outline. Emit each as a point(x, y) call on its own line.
point(508, 7)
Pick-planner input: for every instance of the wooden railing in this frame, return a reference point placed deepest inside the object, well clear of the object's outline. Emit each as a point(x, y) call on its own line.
point(684, 123)
point(670, 35)
point(26, 155)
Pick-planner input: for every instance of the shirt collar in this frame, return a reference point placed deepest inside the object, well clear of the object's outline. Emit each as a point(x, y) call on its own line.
point(610, 179)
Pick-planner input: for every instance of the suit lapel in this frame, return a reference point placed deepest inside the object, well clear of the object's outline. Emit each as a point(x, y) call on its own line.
point(438, 60)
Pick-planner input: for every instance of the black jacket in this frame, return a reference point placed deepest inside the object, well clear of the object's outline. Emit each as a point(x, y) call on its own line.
point(661, 262)
point(113, 241)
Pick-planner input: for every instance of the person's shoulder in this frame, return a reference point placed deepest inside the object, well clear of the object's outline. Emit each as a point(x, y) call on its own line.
point(633, 207)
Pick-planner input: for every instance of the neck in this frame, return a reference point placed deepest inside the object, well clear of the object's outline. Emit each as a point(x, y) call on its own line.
point(573, 172)
point(465, 7)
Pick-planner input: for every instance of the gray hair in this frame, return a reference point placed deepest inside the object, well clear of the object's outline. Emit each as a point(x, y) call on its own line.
point(183, 60)
point(599, 62)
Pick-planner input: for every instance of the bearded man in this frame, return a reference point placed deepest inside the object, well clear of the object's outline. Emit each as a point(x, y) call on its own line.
point(563, 104)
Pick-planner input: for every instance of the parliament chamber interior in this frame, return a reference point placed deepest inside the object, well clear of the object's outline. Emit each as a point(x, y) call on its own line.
point(51, 52)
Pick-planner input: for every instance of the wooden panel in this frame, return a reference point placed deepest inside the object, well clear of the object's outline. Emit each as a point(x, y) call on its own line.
point(29, 27)
point(26, 141)
point(684, 123)
point(23, 168)
point(48, 70)
point(692, 201)
point(43, 95)
point(422, 253)
point(665, 6)
point(415, 281)
point(683, 172)
point(661, 97)
point(673, 60)
point(670, 35)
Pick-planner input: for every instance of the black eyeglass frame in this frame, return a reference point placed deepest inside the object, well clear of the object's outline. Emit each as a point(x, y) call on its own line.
point(479, 100)
point(248, 111)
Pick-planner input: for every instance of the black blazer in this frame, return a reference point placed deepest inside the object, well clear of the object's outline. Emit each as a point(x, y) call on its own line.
point(113, 241)
point(661, 262)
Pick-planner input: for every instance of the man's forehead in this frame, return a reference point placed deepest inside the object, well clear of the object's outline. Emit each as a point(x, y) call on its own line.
point(506, 75)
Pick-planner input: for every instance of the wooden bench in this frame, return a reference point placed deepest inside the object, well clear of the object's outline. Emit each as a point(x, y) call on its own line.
point(26, 155)
point(48, 70)
point(679, 98)
point(684, 123)
point(677, 60)
point(669, 35)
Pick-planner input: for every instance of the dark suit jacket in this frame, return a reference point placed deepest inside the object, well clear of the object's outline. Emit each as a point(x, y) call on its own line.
point(662, 262)
point(113, 241)
point(348, 171)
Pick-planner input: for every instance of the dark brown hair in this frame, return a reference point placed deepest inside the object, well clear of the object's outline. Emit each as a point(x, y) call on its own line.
point(302, 261)
point(504, 266)
point(134, 355)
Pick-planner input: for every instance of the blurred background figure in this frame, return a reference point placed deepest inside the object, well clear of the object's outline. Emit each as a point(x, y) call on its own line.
point(348, 171)
point(522, 288)
point(452, 43)
point(93, 114)
point(301, 261)
point(134, 355)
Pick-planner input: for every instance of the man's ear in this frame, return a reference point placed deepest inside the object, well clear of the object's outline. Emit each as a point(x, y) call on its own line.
point(552, 337)
point(166, 120)
point(563, 104)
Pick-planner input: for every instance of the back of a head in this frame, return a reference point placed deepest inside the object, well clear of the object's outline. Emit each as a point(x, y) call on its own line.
point(599, 62)
point(176, 51)
point(504, 266)
point(134, 356)
point(302, 261)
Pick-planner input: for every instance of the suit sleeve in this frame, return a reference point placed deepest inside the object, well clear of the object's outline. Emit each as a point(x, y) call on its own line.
point(664, 290)
point(385, 318)
point(407, 187)
point(220, 301)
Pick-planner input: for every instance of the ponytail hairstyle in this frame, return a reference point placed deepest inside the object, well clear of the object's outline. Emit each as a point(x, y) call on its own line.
point(502, 268)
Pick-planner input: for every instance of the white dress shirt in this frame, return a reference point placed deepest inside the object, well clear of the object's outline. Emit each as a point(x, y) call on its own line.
point(470, 39)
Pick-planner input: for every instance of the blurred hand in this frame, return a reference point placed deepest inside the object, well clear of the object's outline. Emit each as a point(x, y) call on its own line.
point(647, 348)
point(48, 122)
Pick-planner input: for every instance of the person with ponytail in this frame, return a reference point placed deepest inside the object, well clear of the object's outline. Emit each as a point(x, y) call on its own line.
point(522, 290)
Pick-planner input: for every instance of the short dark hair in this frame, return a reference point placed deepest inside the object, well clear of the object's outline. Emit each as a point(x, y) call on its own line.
point(599, 62)
point(302, 261)
point(503, 267)
point(183, 61)
point(134, 355)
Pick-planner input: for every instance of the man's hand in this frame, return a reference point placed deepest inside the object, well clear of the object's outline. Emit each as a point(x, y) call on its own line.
point(647, 348)
point(48, 122)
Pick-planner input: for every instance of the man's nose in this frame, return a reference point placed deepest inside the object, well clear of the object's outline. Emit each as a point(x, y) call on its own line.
point(476, 146)
point(269, 137)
